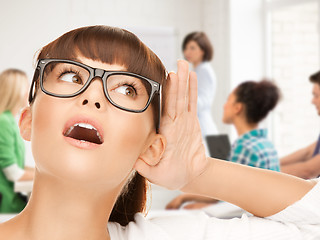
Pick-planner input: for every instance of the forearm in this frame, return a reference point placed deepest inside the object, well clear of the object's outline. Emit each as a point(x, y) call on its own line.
point(307, 169)
point(28, 175)
point(298, 156)
point(292, 158)
point(198, 198)
point(29, 168)
point(258, 191)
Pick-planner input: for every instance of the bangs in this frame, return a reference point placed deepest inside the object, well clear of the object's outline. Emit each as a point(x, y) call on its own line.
point(108, 45)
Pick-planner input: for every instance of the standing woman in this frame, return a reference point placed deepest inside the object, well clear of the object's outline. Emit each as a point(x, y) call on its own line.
point(13, 92)
point(198, 50)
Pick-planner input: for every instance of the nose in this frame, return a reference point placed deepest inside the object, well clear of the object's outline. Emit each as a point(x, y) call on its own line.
point(94, 96)
point(97, 104)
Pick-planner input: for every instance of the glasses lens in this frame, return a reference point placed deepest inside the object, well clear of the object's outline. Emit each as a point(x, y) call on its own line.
point(128, 91)
point(64, 78)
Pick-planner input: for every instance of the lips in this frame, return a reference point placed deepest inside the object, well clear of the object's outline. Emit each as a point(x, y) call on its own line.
point(84, 130)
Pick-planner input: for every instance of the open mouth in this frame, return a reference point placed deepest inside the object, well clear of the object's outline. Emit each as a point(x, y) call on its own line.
point(84, 132)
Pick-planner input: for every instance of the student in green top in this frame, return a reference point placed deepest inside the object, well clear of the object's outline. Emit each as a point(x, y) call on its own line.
point(13, 92)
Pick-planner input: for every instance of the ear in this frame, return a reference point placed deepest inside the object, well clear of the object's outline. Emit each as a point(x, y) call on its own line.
point(152, 155)
point(238, 108)
point(25, 124)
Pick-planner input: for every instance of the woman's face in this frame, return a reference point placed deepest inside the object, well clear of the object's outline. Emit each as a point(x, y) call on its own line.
point(230, 109)
point(193, 53)
point(316, 97)
point(124, 135)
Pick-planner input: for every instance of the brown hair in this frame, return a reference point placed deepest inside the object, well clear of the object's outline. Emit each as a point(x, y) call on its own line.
point(315, 78)
point(258, 98)
point(113, 46)
point(203, 41)
point(13, 84)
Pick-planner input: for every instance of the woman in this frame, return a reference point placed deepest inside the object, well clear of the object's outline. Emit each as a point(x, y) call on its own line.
point(245, 108)
point(198, 50)
point(92, 127)
point(13, 92)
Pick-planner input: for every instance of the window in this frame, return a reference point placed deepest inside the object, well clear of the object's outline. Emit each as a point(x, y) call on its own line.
point(293, 55)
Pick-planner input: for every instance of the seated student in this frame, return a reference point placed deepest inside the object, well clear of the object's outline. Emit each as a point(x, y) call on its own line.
point(13, 97)
point(94, 123)
point(305, 162)
point(246, 106)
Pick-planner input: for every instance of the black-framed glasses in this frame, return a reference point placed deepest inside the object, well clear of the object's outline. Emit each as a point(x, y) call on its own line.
point(66, 78)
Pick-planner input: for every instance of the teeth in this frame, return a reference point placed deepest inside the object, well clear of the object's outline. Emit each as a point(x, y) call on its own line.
point(69, 131)
point(85, 125)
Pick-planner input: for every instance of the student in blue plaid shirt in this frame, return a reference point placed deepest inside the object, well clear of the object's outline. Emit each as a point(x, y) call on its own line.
point(246, 106)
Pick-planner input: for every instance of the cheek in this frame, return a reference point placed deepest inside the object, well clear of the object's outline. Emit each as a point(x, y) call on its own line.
point(127, 139)
point(46, 119)
point(227, 113)
point(187, 54)
point(199, 54)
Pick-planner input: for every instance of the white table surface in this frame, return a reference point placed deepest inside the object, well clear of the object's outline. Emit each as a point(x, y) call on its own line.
point(23, 186)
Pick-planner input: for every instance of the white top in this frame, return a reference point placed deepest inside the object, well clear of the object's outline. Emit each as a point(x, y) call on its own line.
point(13, 172)
point(207, 83)
point(300, 221)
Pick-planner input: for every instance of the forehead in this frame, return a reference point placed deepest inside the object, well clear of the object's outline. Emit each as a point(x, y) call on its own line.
point(192, 43)
point(316, 88)
point(232, 95)
point(98, 64)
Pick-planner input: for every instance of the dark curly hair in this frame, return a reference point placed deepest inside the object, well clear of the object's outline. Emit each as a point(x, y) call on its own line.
point(259, 98)
point(315, 78)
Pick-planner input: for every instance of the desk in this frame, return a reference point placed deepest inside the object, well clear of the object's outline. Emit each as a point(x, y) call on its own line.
point(222, 210)
point(23, 187)
point(6, 216)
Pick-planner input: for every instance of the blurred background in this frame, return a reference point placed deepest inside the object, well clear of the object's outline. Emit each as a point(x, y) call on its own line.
point(251, 38)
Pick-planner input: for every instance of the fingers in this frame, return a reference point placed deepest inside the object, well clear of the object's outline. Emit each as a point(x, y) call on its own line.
point(191, 206)
point(193, 92)
point(181, 92)
point(171, 95)
point(183, 89)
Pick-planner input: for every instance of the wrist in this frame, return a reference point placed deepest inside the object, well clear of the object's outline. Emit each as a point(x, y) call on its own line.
point(195, 186)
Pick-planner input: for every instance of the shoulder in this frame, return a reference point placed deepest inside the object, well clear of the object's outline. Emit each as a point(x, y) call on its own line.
point(6, 118)
point(205, 68)
point(175, 226)
point(6, 123)
point(140, 228)
point(244, 149)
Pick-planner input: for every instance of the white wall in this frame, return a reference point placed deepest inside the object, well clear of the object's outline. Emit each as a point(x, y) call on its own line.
point(216, 23)
point(294, 56)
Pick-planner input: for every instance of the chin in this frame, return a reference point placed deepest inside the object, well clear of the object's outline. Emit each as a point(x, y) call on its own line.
point(83, 168)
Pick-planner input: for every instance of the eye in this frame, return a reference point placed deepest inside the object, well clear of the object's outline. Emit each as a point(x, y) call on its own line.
point(126, 90)
point(71, 77)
